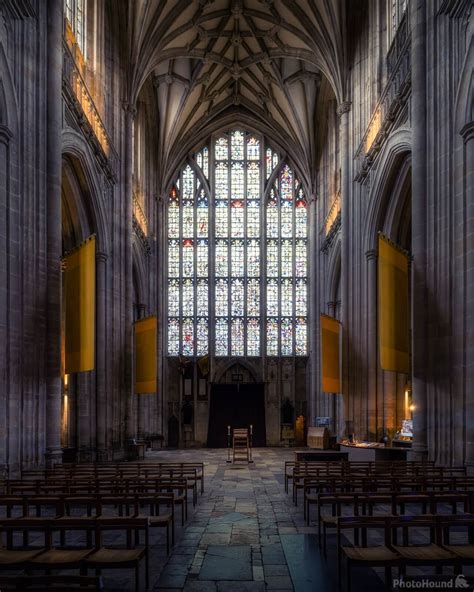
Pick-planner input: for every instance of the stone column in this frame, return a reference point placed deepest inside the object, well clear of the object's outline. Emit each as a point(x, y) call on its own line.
point(101, 356)
point(53, 226)
point(468, 137)
point(343, 112)
point(372, 354)
point(419, 221)
point(130, 422)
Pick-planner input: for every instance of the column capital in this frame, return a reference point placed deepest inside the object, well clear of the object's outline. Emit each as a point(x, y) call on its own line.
point(101, 257)
point(371, 254)
point(344, 107)
point(130, 109)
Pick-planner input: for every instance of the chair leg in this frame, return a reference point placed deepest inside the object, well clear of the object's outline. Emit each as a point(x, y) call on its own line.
point(137, 577)
point(168, 539)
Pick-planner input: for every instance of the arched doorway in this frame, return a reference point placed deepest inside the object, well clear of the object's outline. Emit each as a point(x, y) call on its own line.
point(237, 400)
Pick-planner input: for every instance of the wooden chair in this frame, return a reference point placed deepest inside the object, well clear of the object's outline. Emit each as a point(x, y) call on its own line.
point(464, 551)
point(128, 555)
point(361, 554)
point(431, 553)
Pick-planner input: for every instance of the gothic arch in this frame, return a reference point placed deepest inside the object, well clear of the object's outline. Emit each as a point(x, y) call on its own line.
point(222, 371)
point(391, 170)
point(139, 273)
point(77, 153)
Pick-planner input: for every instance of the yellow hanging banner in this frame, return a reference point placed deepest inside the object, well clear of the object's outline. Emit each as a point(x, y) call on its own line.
point(393, 305)
point(79, 302)
point(145, 356)
point(330, 355)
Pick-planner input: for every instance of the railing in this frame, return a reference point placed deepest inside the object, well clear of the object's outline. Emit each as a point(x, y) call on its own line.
point(82, 102)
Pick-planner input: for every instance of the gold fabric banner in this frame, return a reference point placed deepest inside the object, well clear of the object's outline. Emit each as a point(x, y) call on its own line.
point(79, 301)
point(330, 355)
point(145, 356)
point(394, 324)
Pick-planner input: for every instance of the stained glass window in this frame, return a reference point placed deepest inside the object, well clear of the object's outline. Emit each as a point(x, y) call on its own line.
point(248, 257)
point(75, 11)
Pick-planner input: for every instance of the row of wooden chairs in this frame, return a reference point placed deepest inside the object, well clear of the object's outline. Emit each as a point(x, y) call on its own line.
point(381, 483)
point(395, 551)
point(298, 470)
point(98, 506)
point(388, 504)
point(145, 468)
point(50, 583)
point(123, 486)
point(94, 551)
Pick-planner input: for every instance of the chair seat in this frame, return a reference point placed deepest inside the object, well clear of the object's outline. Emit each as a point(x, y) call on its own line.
point(163, 519)
point(371, 554)
point(15, 557)
point(106, 556)
point(424, 553)
point(61, 556)
point(329, 520)
point(463, 551)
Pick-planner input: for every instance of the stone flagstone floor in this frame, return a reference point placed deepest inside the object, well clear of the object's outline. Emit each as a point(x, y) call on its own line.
point(245, 534)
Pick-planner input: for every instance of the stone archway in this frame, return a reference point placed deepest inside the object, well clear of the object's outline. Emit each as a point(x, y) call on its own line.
point(237, 400)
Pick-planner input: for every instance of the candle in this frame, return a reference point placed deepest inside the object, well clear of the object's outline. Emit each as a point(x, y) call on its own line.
point(251, 429)
point(228, 430)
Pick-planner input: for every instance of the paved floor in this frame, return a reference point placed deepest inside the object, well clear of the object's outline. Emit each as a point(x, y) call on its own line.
point(245, 534)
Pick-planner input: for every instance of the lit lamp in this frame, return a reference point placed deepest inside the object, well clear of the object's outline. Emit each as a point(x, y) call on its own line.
point(412, 408)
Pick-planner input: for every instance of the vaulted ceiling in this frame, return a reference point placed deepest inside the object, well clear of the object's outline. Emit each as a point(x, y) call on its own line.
point(215, 62)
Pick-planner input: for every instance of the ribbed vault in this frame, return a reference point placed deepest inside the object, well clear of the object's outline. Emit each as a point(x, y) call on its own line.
point(213, 61)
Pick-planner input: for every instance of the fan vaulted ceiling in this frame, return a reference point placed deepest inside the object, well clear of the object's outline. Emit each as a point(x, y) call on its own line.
point(215, 62)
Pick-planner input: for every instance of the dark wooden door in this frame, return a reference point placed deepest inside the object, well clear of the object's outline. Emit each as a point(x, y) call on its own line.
point(237, 405)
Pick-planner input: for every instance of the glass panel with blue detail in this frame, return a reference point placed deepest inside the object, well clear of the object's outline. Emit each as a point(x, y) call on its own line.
point(253, 148)
point(237, 145)
point(253, 337)
point(272, 258)
point(237, 218)
point(286, 337)
point(272, 298)
point(253, 258)
point(202, 215)
point(202, 298)
point(237, 297)
point(202, 257)
point(253, 180)
point(222, 297)
point(173, 258)
point(187, 345)
point(301, 337)
point(253, 297)
point(272, 337)
point(273, 226)
point(286, 258)
point(286, 298)
point(237, 258)
point(173, 298)
point(301, 258)
point(188, 257)
point(202, 334)
point(301, 218)
point(222, 337)
point(301, 291)
point(253, 219)
point(222, 269)
point(221, 214)
point(237, 337)
point(187, 305)
point(222, 180)
point(173, 337)
point(221, 149)
point(237, 181)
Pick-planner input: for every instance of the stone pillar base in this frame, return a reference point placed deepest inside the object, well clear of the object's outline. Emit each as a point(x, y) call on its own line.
point(53, 457)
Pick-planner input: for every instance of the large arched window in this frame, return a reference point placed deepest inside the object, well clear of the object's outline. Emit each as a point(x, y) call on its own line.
point(237, 253)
